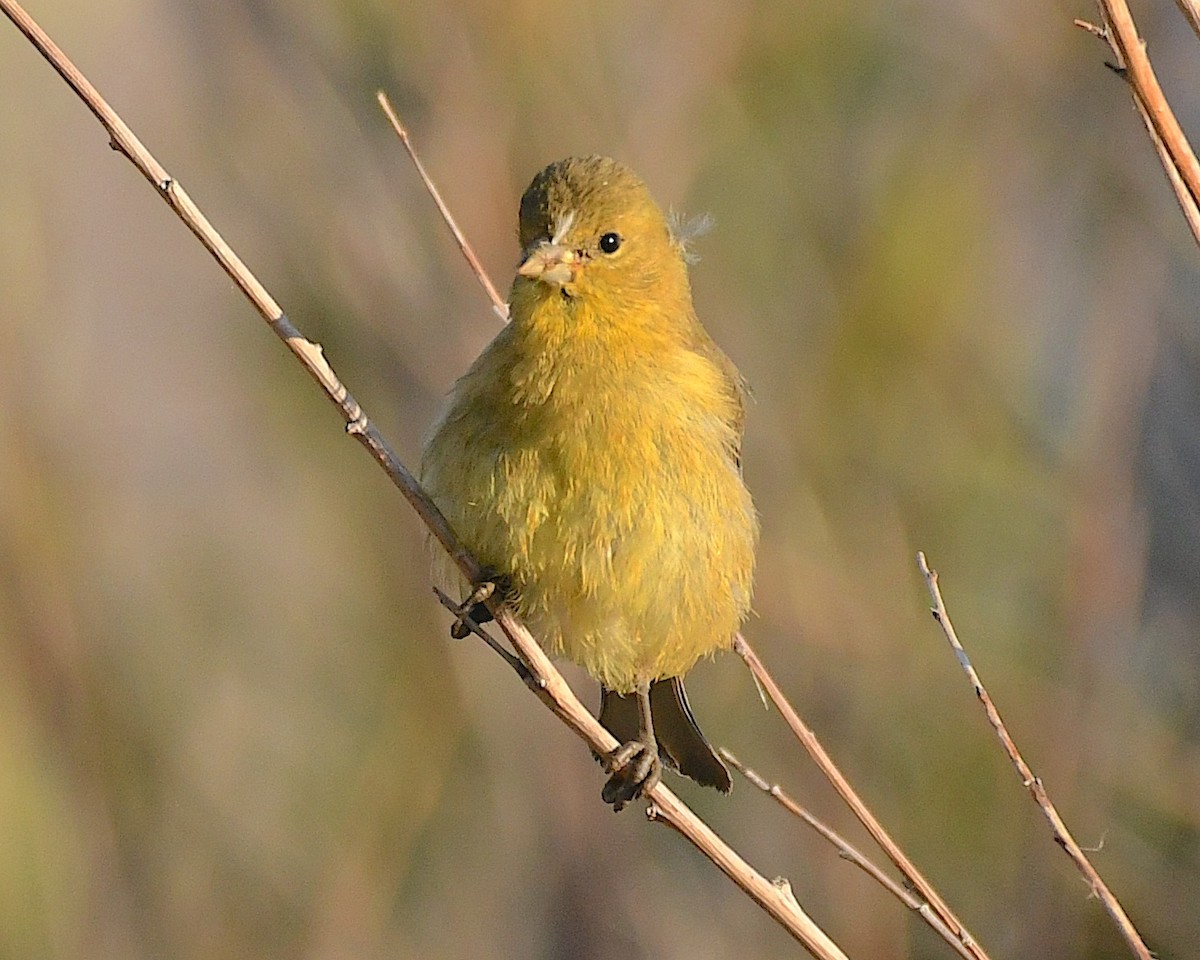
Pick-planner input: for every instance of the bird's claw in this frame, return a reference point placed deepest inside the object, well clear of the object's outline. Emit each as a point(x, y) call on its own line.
point(636, 768)
point(473, 608)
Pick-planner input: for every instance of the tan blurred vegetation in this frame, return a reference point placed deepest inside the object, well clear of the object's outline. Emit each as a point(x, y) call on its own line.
point(231, 722)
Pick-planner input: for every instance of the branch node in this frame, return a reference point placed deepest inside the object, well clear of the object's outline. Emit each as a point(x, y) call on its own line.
point(1099, 845)
point(1092, 28)
point(784, 886)
point(536, 683)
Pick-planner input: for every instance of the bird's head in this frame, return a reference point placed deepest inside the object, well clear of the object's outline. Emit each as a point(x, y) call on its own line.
point(589, 228)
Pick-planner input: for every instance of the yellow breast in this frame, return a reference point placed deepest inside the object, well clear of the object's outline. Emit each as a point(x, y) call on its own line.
point(594, 464)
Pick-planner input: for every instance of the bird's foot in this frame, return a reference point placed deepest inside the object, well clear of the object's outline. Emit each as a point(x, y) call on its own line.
point(636, 768)
point(473, 608)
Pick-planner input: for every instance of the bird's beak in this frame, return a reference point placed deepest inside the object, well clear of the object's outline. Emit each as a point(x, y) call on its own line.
point(550, 263)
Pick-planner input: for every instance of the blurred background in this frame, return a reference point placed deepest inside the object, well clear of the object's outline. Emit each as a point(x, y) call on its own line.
point(232, 724)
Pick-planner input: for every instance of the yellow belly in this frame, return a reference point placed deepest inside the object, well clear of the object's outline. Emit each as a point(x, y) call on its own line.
point(623, 522)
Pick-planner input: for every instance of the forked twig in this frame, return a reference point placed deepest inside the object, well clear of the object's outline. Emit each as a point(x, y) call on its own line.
point(498, 648)
point(825, 763)
point(1033, 784)
point(847, 851)
point(548, 683)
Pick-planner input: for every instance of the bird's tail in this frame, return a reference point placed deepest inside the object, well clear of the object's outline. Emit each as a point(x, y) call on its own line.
point(680, 741)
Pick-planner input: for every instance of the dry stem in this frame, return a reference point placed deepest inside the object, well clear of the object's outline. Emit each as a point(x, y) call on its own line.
point(548, 682)
point(498, 303)
point(809, 741)
point(848, 851)
point(1175, 153)
point(1191, 12)
point(1034, 784)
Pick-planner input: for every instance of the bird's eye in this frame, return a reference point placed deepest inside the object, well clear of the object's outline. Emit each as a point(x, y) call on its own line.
point(610, 242)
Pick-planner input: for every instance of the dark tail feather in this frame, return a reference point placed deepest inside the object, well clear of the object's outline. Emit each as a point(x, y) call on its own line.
point(680, 741)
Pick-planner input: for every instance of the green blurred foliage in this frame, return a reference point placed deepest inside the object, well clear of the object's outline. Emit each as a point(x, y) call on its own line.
point(231, 724)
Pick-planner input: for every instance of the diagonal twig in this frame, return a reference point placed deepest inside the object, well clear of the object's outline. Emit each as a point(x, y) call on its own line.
point(1179, 161)
point(499, 305)
point(847, 851)
point(850, 796)
point(1191, 12)
point(1062, 836)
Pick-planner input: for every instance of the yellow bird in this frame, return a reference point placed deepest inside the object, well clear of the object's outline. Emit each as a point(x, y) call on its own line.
point(590, 458)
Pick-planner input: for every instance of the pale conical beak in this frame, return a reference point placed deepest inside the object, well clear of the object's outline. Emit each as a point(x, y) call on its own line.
point(550, 263)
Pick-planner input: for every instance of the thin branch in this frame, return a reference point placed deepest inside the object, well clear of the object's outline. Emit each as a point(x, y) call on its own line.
point(1183, 171)
point(308, 353)
point(498, 648)
point(1188, 206)
point(499, 305)
point(549, 684)
point(809, 741)
point(552, 689)
point(1191, 12)
point(847, 851)
point(1175, 153)
point(1131, 50)
point(1032, 783)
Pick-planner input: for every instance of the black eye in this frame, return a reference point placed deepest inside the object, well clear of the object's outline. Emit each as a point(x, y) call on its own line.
point(610, 242)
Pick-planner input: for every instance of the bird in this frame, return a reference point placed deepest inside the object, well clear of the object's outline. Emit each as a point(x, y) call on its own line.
point(590, 459)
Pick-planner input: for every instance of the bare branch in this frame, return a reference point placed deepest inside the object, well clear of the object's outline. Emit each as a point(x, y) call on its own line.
point(1132, 63)
point(809, 741)
point(1191, 12)
point(501, 651)
point(499, 305)
point(848, 851)
point(308, 353)
point(1033, 784)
